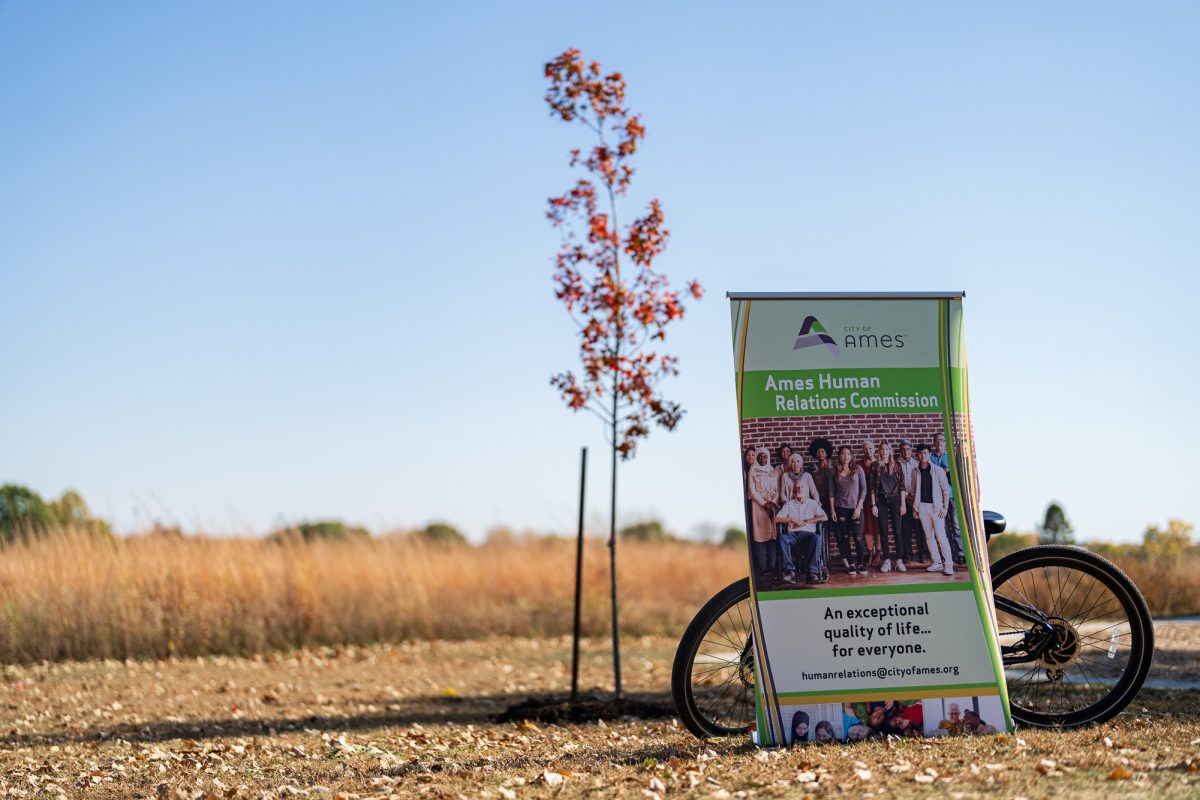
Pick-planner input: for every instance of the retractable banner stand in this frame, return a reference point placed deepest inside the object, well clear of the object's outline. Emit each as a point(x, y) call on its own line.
point(872, 607)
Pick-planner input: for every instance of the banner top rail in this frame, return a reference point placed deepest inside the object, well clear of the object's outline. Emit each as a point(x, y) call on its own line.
point(846, 295)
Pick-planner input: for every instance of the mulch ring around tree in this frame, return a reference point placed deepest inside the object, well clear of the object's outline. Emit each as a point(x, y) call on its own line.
point(556, 709)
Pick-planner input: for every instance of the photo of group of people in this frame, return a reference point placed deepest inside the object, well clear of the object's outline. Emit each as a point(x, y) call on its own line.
point(851, 722)
point(883, 508)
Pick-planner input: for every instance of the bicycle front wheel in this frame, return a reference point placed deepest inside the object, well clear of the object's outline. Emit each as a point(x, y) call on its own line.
point(712, 679)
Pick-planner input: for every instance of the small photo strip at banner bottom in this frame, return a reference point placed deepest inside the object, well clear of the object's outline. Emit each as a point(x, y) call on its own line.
point(906, 718)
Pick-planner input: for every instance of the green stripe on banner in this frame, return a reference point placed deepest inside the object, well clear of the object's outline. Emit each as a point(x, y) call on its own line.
point(862, 591)
point(821, 392)
point(898, 692)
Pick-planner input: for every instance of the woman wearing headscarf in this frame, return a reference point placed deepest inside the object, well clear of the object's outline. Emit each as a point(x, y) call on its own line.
point(762, 485)
point(747, 463)
point(799, 727)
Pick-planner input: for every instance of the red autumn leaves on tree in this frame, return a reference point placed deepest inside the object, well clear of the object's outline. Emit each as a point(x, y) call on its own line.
point(604, 274)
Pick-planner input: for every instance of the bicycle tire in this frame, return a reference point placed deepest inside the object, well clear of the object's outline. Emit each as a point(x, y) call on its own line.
point(705, 725)
point(1135, 645)
point(691, 711)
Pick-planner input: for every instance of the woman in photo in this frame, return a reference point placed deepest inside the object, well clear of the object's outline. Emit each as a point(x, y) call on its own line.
point(785, 456)
point(795, 474)
point(877, 718)
point(887, 505)
point(849, 496)
point(904, 720)
point(870, 525)
point(822, 472)
point(747, 463)
point(825, 732)
point(799, 727)
point(790, 470)
point(763, 488)
point(974, 726)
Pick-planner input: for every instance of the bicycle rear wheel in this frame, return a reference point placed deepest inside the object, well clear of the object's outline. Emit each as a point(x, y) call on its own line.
point(1093, 655)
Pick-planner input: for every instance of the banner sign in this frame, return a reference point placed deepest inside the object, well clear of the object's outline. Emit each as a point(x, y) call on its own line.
point(871, 597)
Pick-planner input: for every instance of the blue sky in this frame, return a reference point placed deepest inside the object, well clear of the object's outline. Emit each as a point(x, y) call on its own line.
point(274, 261)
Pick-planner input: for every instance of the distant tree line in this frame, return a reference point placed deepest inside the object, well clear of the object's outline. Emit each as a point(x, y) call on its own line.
point(24, 513)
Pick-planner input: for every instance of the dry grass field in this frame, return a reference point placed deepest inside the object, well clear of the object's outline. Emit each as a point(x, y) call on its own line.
point(81, 597)
point(84, 597)
point(415, 720)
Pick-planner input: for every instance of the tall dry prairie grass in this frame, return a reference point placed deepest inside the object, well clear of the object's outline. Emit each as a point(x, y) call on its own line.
point(74, 596)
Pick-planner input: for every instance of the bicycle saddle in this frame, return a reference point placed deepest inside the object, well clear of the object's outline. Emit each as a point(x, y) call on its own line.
point(993, 523)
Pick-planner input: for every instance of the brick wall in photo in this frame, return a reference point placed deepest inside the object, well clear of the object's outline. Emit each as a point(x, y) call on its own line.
point(846, 429)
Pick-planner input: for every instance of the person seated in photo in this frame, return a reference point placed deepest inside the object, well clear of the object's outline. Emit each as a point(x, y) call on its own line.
point(930, 491)
point(799, 727)
point(954, 724)
point(798, 520)
point(824, 731)
point(974, 726)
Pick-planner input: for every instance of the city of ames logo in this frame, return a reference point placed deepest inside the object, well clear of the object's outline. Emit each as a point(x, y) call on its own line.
point(813, 333)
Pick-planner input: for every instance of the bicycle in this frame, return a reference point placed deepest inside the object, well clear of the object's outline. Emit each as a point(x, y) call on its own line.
point(1076, 641)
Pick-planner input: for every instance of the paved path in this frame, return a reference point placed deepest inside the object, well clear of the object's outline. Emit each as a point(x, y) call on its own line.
point(1176, 654)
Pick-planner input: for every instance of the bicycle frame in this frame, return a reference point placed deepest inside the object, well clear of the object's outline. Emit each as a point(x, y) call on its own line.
point(1043, 630)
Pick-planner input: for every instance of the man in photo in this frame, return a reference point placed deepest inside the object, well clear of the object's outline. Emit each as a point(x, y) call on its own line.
point(798, 520)
point(932, 493)
point(953, 725)
point(821, 449)
point(941, 457)
point(913, 548)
